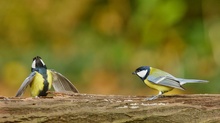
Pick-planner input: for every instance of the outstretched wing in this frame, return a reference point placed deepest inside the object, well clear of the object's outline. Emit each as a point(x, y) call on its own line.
point(61, 83)
point(24, 85)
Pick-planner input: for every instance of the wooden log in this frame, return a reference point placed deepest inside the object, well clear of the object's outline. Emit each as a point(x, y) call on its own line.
point(82, 108)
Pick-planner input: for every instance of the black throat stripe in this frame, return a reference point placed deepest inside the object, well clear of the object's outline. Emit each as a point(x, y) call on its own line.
point(45, 87)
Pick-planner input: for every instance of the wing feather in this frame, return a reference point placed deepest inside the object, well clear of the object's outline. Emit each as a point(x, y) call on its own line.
point(24, 85)
point(166, 80)
point(61, 83)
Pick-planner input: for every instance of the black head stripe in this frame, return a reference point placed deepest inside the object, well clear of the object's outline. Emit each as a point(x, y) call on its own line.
point(148, 72)
point(37, 57)
point(143, 68)
point(38, 62)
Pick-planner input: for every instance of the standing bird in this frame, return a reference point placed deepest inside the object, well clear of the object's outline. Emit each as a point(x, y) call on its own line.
point(41, 79)
point(161, 81)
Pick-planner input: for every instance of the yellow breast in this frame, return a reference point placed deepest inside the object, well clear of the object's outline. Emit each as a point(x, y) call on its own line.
point(38, 83)
point(157, 87)
point(49, 78)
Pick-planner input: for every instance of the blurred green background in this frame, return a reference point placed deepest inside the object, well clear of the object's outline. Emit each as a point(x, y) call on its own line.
point(97, 44)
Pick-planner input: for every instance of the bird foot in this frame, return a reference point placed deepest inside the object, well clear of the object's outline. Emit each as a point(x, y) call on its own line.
point(154, 97)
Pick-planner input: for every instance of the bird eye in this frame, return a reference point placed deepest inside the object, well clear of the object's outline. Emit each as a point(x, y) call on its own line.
point(138, 70)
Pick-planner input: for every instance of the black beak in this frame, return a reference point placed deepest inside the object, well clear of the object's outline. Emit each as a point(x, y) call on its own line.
point(134, 73)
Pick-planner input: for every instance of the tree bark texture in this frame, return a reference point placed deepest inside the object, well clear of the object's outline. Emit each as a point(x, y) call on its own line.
point(88, 108)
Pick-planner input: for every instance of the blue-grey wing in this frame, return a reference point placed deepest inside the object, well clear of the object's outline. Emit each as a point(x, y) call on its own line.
point(24, 85)
point(168, 80)
point(61, 83)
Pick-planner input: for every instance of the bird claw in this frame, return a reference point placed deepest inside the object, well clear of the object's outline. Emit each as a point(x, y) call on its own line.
point(153, 97)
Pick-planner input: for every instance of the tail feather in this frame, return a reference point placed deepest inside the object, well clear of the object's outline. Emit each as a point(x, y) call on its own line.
point(184, 81)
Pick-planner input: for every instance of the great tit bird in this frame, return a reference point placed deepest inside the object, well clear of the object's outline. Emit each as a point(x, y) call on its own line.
point(161, 81)
point(41, 79)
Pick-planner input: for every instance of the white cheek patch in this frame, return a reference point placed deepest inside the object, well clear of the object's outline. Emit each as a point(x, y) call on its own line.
point(33, 64)
point(142, 73)
point(42, 62)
